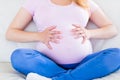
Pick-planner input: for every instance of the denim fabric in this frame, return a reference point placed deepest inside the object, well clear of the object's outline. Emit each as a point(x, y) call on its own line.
point(96, 65)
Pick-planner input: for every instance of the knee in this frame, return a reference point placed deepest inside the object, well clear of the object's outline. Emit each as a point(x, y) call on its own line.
point(21, 57)
point(16, 56)
point(113, 53)
point(21, 54)
point(16, 53)
point(114, 49)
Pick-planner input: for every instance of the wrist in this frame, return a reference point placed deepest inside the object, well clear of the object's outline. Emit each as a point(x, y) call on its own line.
point(38, 36)
point(93, 33)
point(89, 32)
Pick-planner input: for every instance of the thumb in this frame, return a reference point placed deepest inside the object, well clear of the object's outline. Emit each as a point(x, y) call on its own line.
point(84, 39)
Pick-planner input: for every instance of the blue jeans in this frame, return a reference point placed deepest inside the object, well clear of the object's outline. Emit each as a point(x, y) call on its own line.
point(96, 65)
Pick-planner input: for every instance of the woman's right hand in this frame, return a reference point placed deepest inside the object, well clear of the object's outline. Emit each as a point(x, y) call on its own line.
point(50, 34)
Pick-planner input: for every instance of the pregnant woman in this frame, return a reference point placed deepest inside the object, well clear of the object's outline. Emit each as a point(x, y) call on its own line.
point(64, 51)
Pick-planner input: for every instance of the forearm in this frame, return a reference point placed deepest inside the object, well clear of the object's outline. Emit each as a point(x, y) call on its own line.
point(22, 36)
point(103, 32)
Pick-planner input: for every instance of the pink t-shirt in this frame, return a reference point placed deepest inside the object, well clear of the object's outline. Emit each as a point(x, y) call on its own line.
point(46, 14)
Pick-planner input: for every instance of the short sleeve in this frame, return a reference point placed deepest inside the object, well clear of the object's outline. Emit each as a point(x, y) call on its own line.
point(29, 5)
point(93, 6)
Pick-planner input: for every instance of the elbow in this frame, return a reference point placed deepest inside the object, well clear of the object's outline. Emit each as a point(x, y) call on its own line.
point(114, 32)
point(8, 35)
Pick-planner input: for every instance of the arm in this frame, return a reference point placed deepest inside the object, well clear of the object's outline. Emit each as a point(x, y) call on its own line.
point(105, 27)
point(16, 31)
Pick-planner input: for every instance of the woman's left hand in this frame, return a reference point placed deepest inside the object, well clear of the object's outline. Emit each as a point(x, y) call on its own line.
point(79, 32)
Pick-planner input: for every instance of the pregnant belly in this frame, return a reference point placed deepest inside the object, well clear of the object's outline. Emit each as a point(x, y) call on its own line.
point(68, 51)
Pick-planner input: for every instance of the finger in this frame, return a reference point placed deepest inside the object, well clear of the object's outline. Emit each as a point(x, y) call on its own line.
point(77, 26)
point(51, 36)
point(51, 28)
point(59, 37)
point(75, 33)
point(55, 32)
point(48, 45)
point(55, 36)
point(55, 41)
point(77, 29)
point(84, 39)
point(78, 35)
point(74, 30)
point(79, 32)
point(83, 35)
